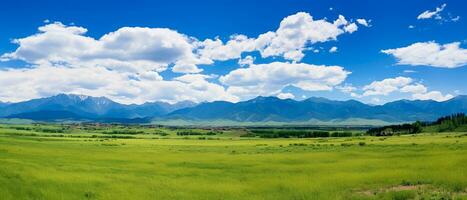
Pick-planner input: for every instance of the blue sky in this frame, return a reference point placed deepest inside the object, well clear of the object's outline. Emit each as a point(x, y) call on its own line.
point(424, 61)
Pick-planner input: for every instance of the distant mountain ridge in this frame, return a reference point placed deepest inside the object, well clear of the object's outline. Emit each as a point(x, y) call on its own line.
point(288, 110)
point(81, 107)
point(260, 109)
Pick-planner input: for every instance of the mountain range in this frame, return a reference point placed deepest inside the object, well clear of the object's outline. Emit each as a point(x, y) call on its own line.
point(81, 107)
point(261, 109)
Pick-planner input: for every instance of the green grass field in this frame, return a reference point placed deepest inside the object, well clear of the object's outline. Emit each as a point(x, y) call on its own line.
point(87, 164)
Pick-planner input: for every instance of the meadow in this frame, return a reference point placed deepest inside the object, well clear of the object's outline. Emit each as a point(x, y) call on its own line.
point(136, 162)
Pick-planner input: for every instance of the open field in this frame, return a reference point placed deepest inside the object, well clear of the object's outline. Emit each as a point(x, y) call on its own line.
point(66, 162)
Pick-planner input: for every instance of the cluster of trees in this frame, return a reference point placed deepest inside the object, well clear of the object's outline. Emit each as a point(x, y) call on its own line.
point(447, 123)
point(450, 123)
point(184, 133)
point(189, 132)
point(43, 130)
point(295, 134)
point(396, 129)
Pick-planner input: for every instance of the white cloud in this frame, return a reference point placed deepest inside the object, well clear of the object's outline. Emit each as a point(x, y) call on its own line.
point(217, 50)
point(27, 83)
point(404, 85)
point(270, 79)
point(45, 80)
point(182, 67)
point(286, 96)
point(417, 88)
point(363, 22)
point(411, 26)
point(386, 86)
point(449, 55)
point(191, 78)
point(333, 50)
point(133, 49)
point(294, 34)
point(147, 49)
point(351, 28)
point(433, 95)
point(349, 89)
point(429, 14)
point(247, 61)
point(340, 21)
point(125, 65)
point(121, 65)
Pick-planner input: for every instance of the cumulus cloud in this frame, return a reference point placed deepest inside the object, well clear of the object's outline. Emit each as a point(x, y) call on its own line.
point(247, 61)
point(295, 32)
point(47, 80)
point(429, 14)
point(290, 40)
point(147, 49)
point(449, 55)
point(386, 86)
point(183, 67)
point(433, 95)
point(217, 50)
point(417, 88)
point(351, 28)
point(270, 79)
point(134, 49)
point(404, 85)
point(125, 64)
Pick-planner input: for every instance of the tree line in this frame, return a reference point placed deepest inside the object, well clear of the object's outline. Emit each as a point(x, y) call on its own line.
point(450, 123)
point(443, 124)
point(295, 134)
point(400, 129)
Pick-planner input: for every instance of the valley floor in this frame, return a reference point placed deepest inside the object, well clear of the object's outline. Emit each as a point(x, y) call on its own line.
point(429, 166)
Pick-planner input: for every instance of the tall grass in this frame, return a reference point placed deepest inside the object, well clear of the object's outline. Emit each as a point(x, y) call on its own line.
point(35, 167)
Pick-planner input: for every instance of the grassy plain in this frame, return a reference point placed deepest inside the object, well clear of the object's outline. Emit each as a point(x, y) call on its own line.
point(155, 163)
